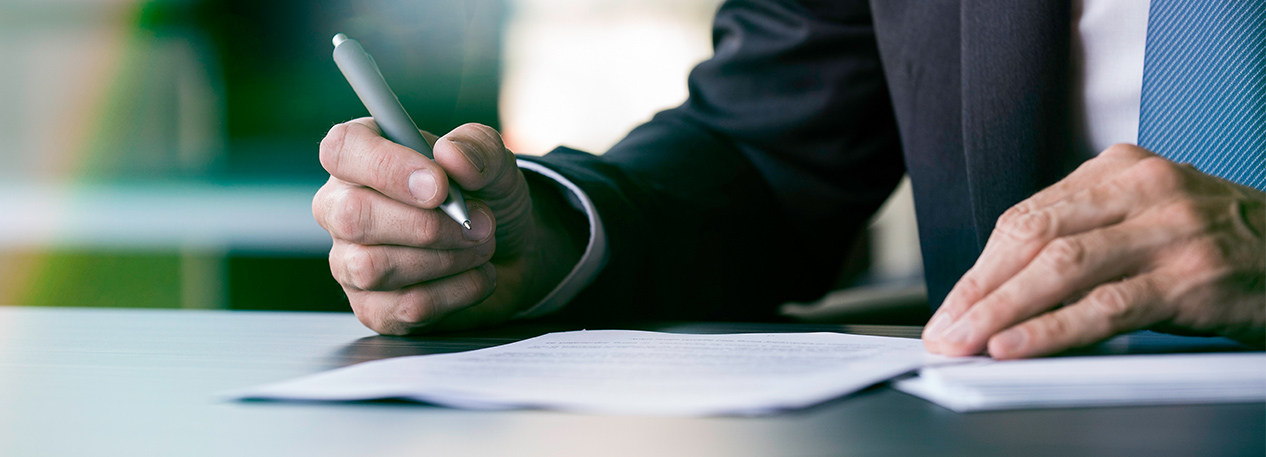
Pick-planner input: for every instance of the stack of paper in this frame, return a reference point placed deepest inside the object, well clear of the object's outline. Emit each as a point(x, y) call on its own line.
point(617, 371)
point(1094, 381)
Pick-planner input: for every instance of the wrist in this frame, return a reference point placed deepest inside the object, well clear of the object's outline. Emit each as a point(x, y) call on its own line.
point(560, 234)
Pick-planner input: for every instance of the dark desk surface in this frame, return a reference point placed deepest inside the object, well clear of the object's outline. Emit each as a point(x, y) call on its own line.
point(140, 383)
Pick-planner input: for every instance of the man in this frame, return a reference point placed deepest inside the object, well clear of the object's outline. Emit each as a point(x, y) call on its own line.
point(1037, 235)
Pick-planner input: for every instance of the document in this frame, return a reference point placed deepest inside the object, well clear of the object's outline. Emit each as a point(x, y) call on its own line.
point(626, 372)
point(1094, 381)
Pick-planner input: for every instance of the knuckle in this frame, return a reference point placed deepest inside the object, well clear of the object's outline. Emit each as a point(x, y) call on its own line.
point(428, 228)
point(416, 308)
point(337, 270)
point(1111, 301)
point(479, 285)
point(1027, 227)
point(1011, 214)
point(382, 164)
point(364, 270)
point(369, 319)
point(1002, 305)
point(1092, 163)
point(1124, 151)
point(349, 216)
point(1063, 255)
point(1160, 174)
point(969, 287)
point(442, 264)
point(320, 201)
point(1055, 327)
point(332, 147)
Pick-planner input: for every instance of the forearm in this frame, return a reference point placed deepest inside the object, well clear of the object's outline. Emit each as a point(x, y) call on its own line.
point(748, 194)
point(704, 237)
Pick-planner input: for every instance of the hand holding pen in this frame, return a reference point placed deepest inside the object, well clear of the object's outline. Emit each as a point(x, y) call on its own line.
point(406, 267)
point(363, 74)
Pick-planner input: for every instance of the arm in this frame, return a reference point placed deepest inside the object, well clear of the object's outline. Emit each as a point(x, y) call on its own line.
point(742, 198)
point(746, 195)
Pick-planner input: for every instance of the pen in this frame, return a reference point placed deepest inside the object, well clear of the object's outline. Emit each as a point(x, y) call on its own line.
point(362, 73)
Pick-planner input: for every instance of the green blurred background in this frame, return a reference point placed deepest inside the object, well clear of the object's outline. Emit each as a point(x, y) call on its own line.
point(163, 153)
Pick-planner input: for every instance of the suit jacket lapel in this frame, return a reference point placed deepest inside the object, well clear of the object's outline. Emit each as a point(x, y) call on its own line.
point(1014, 92)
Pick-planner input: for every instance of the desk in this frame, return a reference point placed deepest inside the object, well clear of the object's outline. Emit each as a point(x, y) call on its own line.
point(141, 383)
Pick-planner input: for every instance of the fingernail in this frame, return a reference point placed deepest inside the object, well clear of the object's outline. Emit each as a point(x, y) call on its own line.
point(480, 225)
point(1011, 341)
point(937, 326)
point(422, 185)
point(958, 333)
point(470, 154)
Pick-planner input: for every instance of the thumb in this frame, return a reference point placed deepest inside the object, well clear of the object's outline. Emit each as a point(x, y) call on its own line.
point(475, 158)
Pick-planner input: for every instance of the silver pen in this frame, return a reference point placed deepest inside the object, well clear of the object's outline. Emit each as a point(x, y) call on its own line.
point(361, 71)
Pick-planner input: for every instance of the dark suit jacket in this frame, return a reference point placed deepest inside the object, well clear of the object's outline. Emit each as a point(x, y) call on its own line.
point(748, 194)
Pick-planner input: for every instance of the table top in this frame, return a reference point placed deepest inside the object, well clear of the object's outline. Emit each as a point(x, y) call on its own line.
point(144, 382)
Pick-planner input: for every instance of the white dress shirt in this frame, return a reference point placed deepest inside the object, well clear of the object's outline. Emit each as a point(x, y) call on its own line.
point(1108, 37)
point(1107, 69)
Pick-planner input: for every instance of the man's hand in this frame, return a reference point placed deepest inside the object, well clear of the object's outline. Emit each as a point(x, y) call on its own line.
point(1127, 241)
point(406, 266)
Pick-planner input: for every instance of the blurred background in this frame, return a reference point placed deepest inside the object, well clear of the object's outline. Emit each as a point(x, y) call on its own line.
point(163, 154)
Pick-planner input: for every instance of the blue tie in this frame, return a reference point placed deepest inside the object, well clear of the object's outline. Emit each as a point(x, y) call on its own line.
point(1204, 87)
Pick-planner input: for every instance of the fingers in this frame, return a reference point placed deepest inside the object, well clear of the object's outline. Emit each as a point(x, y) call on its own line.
point(357, 153)
point(402, 311)
point(476, 159)
point(1126, 213)
point(1109, 309)
point(1064, 266)
point(1025, 227)
point(1018, 240)
point(384, 268)
point(363, 216)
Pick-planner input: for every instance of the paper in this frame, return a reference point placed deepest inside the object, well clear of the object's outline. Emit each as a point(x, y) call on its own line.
point(1094, 381)
point(629, 372)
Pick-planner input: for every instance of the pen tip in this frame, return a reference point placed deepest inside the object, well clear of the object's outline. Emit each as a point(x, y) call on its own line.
point(339, 39)
point(466, 224)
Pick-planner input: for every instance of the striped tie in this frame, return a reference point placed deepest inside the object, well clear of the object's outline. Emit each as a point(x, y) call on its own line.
point(1204, 87)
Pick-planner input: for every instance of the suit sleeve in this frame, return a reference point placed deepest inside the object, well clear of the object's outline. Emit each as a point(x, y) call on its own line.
point(748, 194)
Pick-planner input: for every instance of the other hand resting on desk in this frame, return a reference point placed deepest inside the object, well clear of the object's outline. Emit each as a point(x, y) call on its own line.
point(1128, 241)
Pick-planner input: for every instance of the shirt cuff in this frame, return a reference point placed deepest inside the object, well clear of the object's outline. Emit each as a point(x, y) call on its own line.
point(591, 262)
